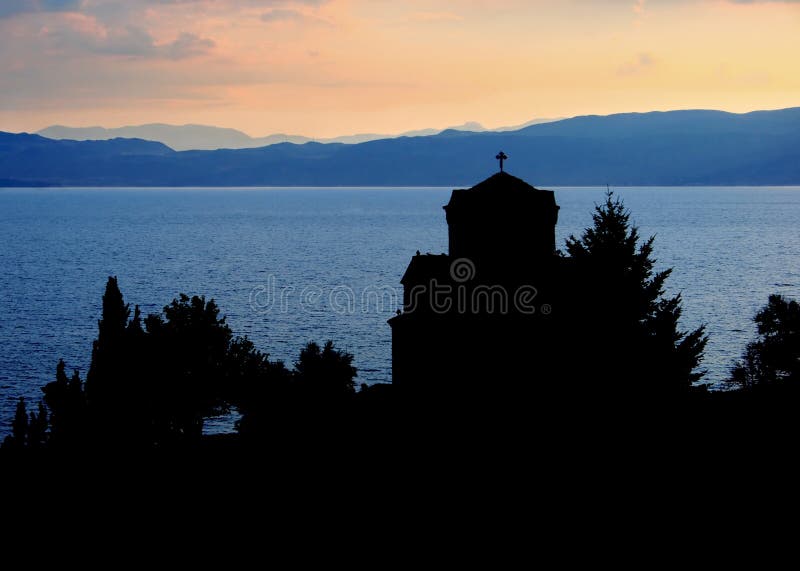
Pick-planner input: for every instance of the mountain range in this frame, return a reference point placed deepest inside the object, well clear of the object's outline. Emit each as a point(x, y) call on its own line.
point(691, 147)
point(205, 137)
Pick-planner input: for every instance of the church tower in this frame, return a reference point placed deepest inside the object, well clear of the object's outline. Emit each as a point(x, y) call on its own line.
point(502, 223)
point(472, 312)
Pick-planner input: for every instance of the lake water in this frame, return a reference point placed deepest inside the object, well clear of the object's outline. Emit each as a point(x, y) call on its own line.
point(290, 265)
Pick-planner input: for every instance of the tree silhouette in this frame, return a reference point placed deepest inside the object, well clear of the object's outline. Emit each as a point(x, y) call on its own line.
point(263, 392)
point(27, 430)
point(772, 362)
point(18, 438)
point(325, 373)
point(153, 381)
point(191, 358)
point(106, 381)
point(37, 427)
point(66, 400)
point(278, 401)
point(627, 328)
point(151, 384)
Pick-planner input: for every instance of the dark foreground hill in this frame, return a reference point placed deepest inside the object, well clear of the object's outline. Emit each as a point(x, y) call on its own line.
point(659, 148)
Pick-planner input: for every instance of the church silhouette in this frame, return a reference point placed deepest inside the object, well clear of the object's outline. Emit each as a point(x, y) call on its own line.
point(483, 311)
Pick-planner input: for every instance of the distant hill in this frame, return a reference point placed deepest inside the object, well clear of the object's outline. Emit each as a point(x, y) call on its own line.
point(659, 148)
point(203, 137)
point(177, 137)
point(31, 160)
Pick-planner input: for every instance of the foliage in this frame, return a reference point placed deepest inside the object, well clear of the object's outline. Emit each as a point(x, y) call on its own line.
point(66, 400)
point(321, 384)
point(325, 373)
point(27, 430)
point(628, 328)
point(153, 381)
point(772, 362)
point(186, 354)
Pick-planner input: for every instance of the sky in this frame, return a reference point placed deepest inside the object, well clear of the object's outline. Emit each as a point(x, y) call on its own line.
point(333, 67)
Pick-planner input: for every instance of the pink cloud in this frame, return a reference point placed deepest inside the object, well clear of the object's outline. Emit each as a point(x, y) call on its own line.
point(76, 34)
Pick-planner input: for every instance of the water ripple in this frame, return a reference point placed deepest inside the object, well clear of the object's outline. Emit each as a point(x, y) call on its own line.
point(730, 249)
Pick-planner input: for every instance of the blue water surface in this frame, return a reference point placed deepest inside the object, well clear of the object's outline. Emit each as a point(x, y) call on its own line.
point(291, 265)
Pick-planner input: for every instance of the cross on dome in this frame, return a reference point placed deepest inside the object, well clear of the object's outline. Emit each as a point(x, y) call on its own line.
point(501, 156)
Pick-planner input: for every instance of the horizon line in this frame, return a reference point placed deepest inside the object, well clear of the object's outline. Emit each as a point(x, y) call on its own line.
point(400, 134)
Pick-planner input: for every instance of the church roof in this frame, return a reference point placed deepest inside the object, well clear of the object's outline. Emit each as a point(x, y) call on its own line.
point(498, 185)
point(502, 180)
point(425, 267)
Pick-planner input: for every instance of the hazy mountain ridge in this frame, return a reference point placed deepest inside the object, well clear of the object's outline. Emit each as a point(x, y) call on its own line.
point(206, 137)
point(660, 148)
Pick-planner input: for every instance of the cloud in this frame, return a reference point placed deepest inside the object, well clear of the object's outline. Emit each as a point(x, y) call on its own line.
point(186, 45)
point(85, 35)
point(640, 65)
point(282, 15)
point(291, 15)
point(10, 8)
point(639, 7)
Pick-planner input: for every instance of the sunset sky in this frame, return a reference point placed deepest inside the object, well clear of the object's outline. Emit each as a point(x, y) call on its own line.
point(335, 67)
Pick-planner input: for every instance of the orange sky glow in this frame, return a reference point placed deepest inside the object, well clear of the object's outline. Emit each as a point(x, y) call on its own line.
point(334, 67)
